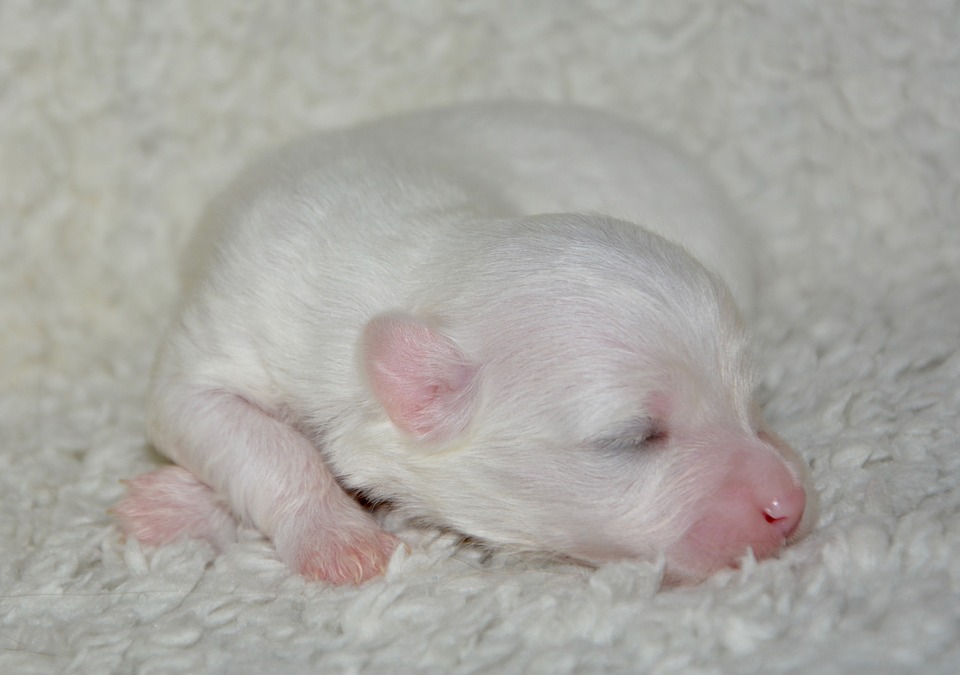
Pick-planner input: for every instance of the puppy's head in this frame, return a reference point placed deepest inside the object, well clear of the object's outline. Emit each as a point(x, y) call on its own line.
point(581, 386)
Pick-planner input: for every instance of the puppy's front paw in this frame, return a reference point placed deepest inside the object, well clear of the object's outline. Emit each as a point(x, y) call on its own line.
point(350, 560)
point(339, 555)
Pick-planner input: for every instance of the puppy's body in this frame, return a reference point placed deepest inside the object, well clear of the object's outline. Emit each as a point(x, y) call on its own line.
point(388, 309)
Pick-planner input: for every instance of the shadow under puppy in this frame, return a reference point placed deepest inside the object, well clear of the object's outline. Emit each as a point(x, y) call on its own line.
point(431, 311)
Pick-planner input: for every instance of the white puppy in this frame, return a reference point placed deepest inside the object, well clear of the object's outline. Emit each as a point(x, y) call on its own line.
point(431, 312)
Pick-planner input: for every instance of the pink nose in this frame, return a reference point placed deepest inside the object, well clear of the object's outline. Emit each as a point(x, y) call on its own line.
point(786, 510)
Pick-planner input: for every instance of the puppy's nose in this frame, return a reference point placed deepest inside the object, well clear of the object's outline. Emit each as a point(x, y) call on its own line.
point(785, 511)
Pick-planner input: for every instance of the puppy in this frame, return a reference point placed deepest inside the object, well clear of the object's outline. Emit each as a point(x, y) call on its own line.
point(505, 319)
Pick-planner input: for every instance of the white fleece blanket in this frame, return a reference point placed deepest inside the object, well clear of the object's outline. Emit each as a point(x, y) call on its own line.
point(835, 126)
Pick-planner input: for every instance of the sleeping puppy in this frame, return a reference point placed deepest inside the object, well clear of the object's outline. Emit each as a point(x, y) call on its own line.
point(505, 320)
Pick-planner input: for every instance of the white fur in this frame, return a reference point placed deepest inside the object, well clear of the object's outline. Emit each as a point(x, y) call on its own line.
point(575, 322)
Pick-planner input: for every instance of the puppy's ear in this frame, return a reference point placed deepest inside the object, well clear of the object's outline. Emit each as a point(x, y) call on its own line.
point(425, 383)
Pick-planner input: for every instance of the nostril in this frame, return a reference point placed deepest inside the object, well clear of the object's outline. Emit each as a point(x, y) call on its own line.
point(785, 524)
point(776, 511)
point(785, 513)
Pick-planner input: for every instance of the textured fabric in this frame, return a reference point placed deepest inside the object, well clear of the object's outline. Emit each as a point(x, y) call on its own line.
point(835, 127)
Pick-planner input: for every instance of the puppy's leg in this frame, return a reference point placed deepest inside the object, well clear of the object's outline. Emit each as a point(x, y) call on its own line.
point(270, 476)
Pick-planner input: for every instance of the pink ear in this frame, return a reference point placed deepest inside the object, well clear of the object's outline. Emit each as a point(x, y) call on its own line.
point(421, 378)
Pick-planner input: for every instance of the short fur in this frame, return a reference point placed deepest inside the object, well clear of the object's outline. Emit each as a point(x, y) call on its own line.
point(432, 311)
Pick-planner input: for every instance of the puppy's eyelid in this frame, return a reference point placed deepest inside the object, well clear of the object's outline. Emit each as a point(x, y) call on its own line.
point(656, 435)
point(636, 438)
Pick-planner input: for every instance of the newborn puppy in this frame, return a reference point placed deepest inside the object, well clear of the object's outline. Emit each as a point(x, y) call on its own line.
point(432, 312)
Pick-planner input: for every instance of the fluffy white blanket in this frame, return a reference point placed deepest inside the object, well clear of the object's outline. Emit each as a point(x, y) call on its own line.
point(834, 125)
